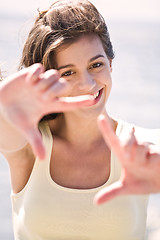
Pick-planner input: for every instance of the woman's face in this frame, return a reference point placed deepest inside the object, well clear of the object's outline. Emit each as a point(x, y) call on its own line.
point(85, 65)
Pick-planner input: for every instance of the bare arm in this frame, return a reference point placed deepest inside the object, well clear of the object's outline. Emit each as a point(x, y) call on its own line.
point(11, 139)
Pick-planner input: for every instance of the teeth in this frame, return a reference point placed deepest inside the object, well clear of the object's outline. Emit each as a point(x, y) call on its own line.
point(96, 95)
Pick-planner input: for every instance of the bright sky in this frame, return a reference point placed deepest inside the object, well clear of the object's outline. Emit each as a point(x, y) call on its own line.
point(124, 9)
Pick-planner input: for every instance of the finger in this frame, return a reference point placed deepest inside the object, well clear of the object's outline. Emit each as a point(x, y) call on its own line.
point(35, 139)
point(154, 159)
point(34, 73)
point(57, 89)
point(70, 103)
point(129, 139)
point(110, 192)
point(153, 148)
point(109, 136)
point(142, 154)
point(67, 104)
point(47, 79)
point(130, 145)
point(16, 76)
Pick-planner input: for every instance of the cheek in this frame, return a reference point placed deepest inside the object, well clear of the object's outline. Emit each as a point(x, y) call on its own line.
point(107, 81)
point(107, 91)
point(106, 78)
point(108, 86)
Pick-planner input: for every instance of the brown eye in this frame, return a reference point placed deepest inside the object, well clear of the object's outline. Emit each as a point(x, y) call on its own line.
point(96, 65)
point(67, 73)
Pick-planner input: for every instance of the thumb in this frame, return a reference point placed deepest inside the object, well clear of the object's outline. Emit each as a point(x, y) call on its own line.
point(35, 139)
point(110, 192)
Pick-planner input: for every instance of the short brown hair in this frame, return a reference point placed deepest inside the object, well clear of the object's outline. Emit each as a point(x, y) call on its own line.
point(62, 23)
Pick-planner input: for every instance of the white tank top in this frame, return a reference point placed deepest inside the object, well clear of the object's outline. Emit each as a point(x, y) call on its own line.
point(44, 210)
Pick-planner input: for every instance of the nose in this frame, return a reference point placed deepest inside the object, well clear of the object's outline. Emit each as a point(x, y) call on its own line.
point(86, 82)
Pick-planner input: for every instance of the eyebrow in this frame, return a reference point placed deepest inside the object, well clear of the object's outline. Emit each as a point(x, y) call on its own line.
point(72, 65)
point(65, 66)
point(95, 57)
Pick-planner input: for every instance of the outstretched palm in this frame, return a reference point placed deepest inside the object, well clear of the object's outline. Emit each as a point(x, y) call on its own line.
point(140, 166)
point(32, 93)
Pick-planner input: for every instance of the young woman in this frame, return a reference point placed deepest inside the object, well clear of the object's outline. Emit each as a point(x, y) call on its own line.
point(52, 116)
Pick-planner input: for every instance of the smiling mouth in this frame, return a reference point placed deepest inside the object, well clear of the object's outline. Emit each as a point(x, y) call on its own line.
point(98, 94)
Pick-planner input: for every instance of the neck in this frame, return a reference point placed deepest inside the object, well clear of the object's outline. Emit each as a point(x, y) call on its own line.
point(82, 132)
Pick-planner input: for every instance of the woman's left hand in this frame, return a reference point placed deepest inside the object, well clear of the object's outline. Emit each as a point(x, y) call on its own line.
point(140, 165)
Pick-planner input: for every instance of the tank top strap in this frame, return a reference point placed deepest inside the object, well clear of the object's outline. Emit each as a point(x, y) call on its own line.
point(47, 140)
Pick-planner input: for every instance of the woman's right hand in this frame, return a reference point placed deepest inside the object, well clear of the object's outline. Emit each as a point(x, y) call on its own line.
point(28, 95)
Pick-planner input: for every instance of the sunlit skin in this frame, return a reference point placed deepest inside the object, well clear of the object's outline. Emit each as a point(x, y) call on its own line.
point(79, 87)
point(80, 90)
point(25, 109)
point(87, 69)
point(85, 66)
point(140, 165)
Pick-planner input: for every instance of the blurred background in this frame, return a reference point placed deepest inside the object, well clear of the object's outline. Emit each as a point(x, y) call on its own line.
point(134, 28)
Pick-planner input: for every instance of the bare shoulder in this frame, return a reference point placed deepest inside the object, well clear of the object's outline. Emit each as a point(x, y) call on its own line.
point(20, 164)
